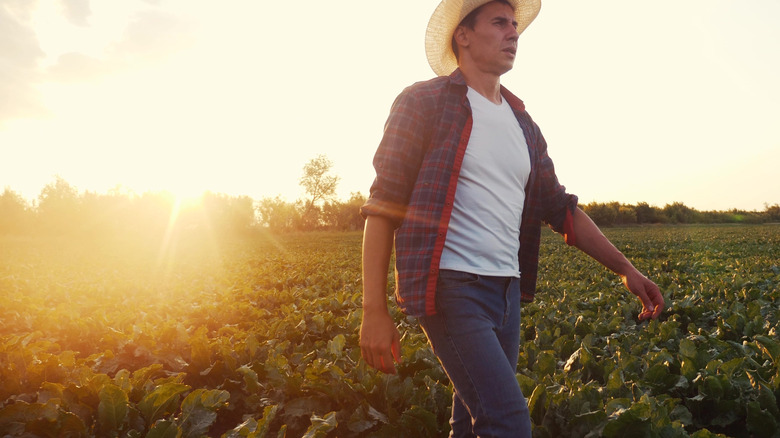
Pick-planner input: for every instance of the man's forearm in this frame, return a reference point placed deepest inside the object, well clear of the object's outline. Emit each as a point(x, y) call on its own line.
point(377, 247)
point(380, 342)
point(592, 241)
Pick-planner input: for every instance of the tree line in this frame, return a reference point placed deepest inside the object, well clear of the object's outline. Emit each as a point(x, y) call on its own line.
point(61, 209)
point(615, 213)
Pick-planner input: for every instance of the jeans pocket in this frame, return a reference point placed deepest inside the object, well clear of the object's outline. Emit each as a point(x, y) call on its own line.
point(449, 279)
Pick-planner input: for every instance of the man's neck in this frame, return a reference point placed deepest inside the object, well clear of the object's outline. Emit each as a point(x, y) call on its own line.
point(488, 85)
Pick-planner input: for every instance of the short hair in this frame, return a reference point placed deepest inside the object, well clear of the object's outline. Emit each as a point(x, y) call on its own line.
point(470, 21)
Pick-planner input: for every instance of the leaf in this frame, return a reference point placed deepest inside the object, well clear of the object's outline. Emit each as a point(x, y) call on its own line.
point(766, 397)
point(364, 418)
point(246, 429)
point(582, 326)
point(50, 390)
point(689, 369)
point(200, 353)
point(320, 426)
point(681, 414)
point(252, 428)
point(617, 404)
point(359, 424)
point(198, 410)
point(71, 425)
point(304, 406)
point(729, 367)
point(526, 383)
point(23, 412)
point(545, 364)
point(252, 345)
point(713, 387)
point(122, 380)
point(376, 415)
point(164, 429)
point(759, 421)
point(112, 408)
point(682, 383)
point(688, 349)
point(769, 347)
point(642, 410)
point(198, 422)
point(160, 401)
point(630, 422)
point(250, 379)
point(581, 424)
point(419, 419)
point(574, 361)
point(705, 433)
point(537, 403)
point(615, 381)
point(141, 376)
point(336, 345)
point(264, 425)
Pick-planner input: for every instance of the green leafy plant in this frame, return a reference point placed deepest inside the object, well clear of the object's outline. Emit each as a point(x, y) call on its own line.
point(258, 337)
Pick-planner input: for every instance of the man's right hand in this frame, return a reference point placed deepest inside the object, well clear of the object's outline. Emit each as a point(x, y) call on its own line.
point(380, 341)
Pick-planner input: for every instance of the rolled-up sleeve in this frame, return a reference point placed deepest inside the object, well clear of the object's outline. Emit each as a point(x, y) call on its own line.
point(558, 205)
point(397, 159)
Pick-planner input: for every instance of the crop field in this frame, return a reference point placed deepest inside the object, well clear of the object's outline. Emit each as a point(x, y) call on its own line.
point(258, 337)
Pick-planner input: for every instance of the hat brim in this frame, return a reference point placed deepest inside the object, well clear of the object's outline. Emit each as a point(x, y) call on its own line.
point(447, 17)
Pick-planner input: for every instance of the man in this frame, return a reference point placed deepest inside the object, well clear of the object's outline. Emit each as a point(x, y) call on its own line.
point(463, 184)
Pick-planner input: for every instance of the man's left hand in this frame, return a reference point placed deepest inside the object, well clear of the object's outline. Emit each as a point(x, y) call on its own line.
point(647, 292)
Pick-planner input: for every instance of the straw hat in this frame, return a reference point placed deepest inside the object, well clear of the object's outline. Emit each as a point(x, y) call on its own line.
point(447, 16)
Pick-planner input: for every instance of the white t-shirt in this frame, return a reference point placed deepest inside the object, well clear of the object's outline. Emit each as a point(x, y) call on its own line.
point(484, 230)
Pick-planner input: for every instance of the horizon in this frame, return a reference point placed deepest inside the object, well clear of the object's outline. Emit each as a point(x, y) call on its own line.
point(195, 199)
point(636, 104)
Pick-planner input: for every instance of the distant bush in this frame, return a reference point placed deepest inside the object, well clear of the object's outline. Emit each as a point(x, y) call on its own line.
point(615, 213)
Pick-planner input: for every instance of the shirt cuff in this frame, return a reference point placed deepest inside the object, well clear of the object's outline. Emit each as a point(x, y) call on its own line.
point(392, 211)
point(568, 229)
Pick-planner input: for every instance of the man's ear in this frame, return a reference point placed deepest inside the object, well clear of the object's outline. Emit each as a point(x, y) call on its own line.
point(461, 36)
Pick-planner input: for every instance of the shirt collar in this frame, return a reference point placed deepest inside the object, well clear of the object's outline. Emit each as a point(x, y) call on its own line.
point(513, 100)
point(457, 78)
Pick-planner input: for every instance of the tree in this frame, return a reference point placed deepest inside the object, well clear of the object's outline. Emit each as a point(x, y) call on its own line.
point(319, 185)
point(772, 213)
point(228, 213)
point(626, 214)
point(58, 207)
point(602, 214)
point(277, 214)
point(345, 216)
point(679, 213)
point(15, 213)
point(647, 214)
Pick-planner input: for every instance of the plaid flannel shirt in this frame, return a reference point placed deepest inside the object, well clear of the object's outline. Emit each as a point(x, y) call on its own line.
point(417, 165)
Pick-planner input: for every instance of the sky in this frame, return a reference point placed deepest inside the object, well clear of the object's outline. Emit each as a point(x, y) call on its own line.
point(658, 102)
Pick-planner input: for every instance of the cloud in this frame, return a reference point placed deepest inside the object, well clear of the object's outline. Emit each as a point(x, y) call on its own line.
point(77, 67)
point(20, 54)
point(76, 11)
point(150, 36)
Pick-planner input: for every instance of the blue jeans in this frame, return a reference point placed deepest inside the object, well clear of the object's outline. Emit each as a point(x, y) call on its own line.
point(475, 333)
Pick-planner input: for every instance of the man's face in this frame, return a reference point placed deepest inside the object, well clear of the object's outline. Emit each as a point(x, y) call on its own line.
point(492, 44)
